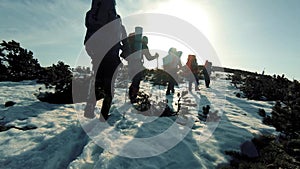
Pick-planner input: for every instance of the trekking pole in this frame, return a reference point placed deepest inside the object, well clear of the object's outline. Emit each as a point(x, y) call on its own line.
point(127, 81)
point(160, 81)
point(126, 86)
point(157, 63)
point(159, 89)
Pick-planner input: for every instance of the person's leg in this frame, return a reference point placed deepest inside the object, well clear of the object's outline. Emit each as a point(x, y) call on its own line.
point(135, 86)
point(89, 109)
point(170, 85)
point(206, 77)
point(133, 91)
point(91, 98)
point(196, 86)
point(208, 82)
point(190, 85)
point(173, 79)
point(105, 83)
point(196, 82)
point(109, 92)
point(168, 92)
point(107, 86)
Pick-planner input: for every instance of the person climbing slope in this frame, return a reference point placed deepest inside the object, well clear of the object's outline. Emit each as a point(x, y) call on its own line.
point(194, 68)
point(207, 72)
point(138, 47)
point(171, 64)
point(103, 13)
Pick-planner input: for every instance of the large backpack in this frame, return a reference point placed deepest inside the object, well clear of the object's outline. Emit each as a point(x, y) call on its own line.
point(101, 13)
point(208, 66)
point(192, 64)
point(171, 61)
point(135, 61)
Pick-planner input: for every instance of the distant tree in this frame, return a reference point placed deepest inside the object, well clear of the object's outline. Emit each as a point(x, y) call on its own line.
point(58, 76)
point(18, 62)
point(3, 68)
point(82, 70)
point(78, 69)
point(88, 70)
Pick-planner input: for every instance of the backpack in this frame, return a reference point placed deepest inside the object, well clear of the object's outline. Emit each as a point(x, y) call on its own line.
point(208, 67)
point(171, 61)
point(101, 13)
point(135, 61)
point(192, 64)
point(135, 44)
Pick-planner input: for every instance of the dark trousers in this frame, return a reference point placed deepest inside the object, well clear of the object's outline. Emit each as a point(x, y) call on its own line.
point(135, 85)
point(171, 84)
point(104, 84)
point(206, 77)
point(171, 79)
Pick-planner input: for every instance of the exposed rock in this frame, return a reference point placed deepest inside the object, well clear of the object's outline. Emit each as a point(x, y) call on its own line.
point(9, 103)
point(25, 128)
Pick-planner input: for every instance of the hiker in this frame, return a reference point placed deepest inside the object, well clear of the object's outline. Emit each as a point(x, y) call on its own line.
point(138, 47)
point(171, 64)
point(194, 68)
point(104, 67)
point(207, 72)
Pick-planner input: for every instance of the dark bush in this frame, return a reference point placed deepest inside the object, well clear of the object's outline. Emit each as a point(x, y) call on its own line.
point(262, 112)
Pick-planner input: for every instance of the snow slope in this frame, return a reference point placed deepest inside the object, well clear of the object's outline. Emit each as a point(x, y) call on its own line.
point(57, 140)
point(133, 141)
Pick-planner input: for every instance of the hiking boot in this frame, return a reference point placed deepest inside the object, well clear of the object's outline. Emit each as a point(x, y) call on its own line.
point(104, 118)
point(106, 104)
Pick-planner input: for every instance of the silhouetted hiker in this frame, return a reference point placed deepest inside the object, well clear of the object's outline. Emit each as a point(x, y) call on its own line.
point(194, 68)
point(103, 48)
point(171, 64)
point(138, 47)
point(207, 72)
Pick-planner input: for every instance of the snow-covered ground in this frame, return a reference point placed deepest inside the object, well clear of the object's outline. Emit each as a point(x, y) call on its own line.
point(59, 137)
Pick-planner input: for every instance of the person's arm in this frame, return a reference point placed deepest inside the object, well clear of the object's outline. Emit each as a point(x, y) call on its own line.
point(147, 54)
point(179, 63)
point(125, 44)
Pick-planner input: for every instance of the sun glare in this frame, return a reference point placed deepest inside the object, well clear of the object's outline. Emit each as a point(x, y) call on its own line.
point(191, 12)
point(188, 11)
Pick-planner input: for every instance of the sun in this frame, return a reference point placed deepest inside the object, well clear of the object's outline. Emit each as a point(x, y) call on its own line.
point(190, 11)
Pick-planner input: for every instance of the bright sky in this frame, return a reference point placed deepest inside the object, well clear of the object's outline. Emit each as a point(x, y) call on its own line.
point(249, 35)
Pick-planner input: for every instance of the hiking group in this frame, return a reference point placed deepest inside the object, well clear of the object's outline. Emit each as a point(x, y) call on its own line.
point(104, 48)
